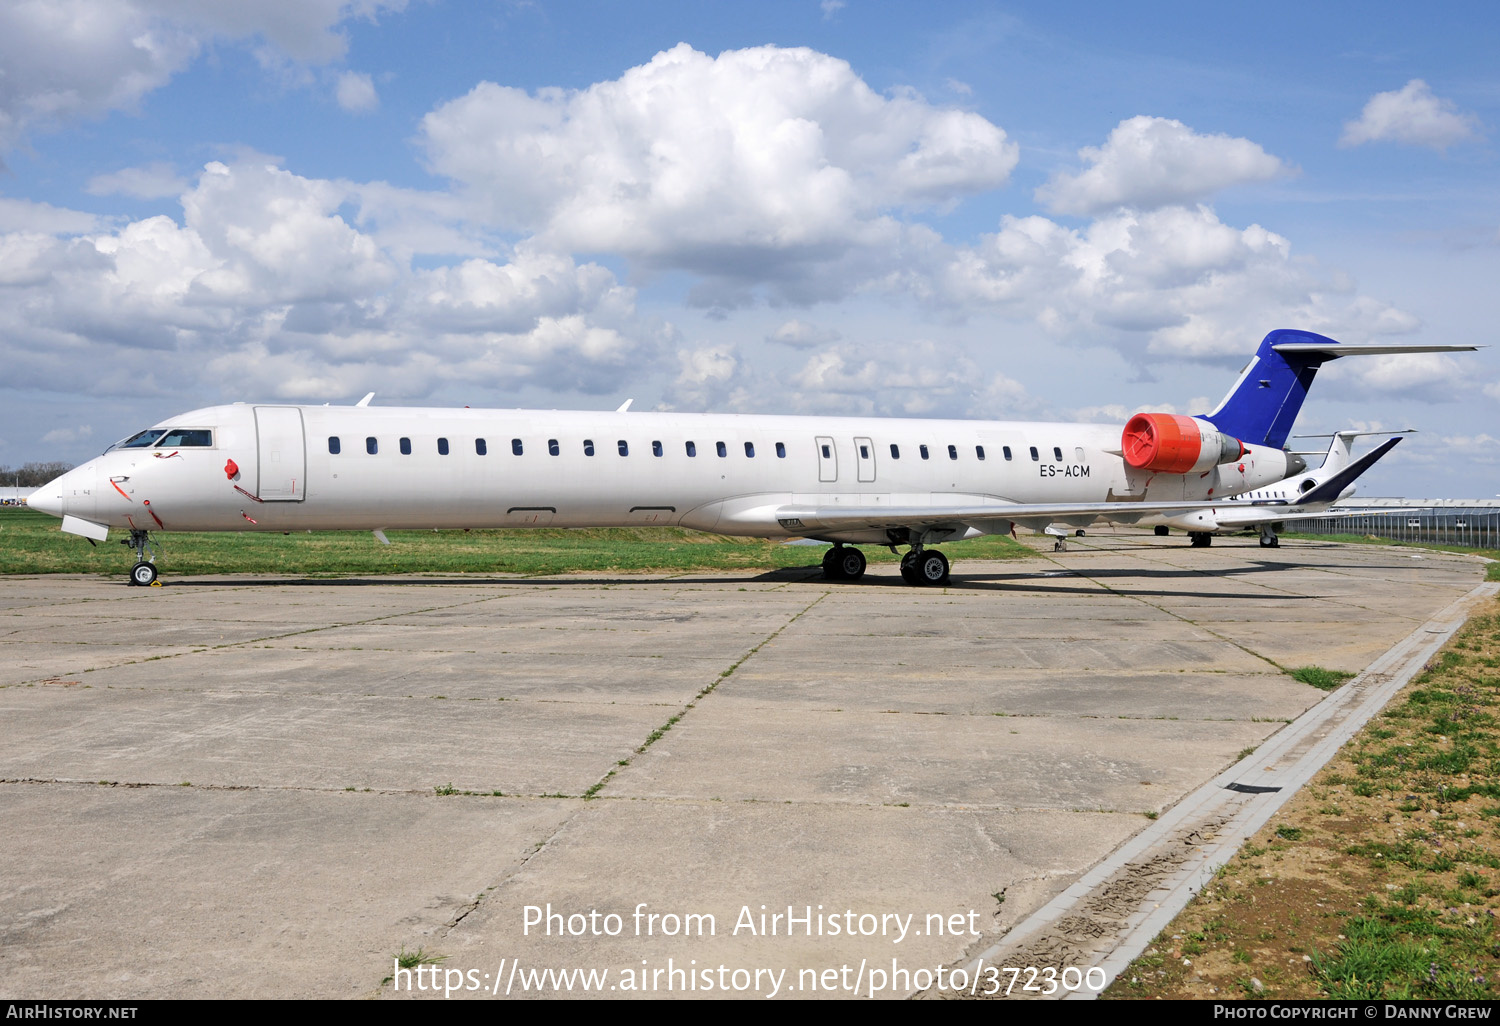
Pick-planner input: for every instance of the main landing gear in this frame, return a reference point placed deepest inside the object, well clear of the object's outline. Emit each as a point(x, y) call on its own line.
point(1200, 539)
point(924, 566)
point(919, 566)
point(843, 564)
point(143, 574)
point(1268, 539)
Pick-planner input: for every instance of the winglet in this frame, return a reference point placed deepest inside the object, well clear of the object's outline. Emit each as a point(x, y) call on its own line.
point(366, 400)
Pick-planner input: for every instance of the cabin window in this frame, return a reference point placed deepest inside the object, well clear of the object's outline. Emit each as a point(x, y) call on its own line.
point(826, 453)
point(692, 448)
point(722, 449)
point(623, 446)
point(333, 444)
point(442, 446)
point(953, 452)
point(588, 447)
point(923, 450)
point(656, 449)
point(406, 446)
point(183, 438)
point(1034, 454)
point(781, 450)
point(479, 447)
point(864, 452)
point(372, 446)
point(1005, 451)
point(895, 451)
point(515, 446)
point(553, 449)
point(979, 451)
point(750, 450)
point(1057, 453)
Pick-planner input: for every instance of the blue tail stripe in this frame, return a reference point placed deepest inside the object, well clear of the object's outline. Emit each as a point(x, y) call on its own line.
point(1265, 402)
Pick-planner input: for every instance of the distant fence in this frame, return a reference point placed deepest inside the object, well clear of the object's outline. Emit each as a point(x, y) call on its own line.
point(1475, 528)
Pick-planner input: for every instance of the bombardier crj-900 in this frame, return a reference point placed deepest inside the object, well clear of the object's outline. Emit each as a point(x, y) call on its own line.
point(844, 480)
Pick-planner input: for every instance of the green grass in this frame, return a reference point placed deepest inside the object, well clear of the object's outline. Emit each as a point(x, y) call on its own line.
point(1323, 680)
point(31, 543)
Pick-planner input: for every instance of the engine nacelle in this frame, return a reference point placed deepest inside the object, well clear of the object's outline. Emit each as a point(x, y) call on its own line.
point(1169, 444)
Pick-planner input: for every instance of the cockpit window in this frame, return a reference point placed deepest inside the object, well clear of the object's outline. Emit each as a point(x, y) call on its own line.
point(182, 438)
point(140, 441)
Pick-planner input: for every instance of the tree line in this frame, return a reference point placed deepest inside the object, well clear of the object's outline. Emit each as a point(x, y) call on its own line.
point(32, 475)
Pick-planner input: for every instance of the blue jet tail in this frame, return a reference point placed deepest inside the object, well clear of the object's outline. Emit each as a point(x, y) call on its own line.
point(1260, 408)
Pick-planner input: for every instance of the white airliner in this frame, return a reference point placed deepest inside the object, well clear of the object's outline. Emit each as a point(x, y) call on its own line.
point(844, 480)
point(1303, 496)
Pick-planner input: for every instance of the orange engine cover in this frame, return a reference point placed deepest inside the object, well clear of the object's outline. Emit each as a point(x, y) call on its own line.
point(1171, 444)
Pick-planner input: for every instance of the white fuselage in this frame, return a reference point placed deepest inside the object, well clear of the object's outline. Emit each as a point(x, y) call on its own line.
point(272, 468)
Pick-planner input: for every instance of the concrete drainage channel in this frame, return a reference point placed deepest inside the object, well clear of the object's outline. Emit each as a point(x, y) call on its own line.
point(1113, 912)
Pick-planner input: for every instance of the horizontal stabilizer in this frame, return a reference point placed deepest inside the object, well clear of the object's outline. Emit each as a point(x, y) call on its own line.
point(1335, 350)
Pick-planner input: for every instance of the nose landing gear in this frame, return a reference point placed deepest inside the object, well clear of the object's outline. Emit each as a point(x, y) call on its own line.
point(143, 574)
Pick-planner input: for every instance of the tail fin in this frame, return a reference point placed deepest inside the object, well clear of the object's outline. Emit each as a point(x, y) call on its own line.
point(1260, 408)
point(1332, 488)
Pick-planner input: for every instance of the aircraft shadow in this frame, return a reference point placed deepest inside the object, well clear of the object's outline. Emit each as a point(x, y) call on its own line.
point(1038, 581)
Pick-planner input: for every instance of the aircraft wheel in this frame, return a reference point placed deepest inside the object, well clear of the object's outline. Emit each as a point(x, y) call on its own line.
point(931, 568)
point(143, 574)
point(1270, 543)
point(909, 568)
point(831, 564)
point(851, 564)
point(1161, 530)
point(1200, 539)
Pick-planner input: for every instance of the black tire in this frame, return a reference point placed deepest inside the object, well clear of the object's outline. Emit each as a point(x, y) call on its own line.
point(1161, 530)
point(851, 564)
point(831, 564)
point(143, 574)
point(932, 568)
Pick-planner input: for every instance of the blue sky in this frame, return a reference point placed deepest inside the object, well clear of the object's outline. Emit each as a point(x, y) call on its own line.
point(1028, 211)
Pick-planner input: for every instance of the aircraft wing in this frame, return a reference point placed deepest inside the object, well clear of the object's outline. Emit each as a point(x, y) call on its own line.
point(816, 519)
point(1254, 516)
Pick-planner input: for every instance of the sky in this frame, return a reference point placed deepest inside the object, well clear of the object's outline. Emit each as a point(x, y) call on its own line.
point(1029, 211)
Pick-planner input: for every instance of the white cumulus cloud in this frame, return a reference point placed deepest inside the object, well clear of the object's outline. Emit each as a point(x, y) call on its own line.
point(1411, 115)
point(1152, 162)
point(739, 167)
point(268, 287)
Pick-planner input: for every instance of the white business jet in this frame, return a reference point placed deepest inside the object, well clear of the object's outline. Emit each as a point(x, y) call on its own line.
point(845, 480)
point(1303, 496)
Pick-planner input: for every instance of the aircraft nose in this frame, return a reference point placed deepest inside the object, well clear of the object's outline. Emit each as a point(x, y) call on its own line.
point(48, 498)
